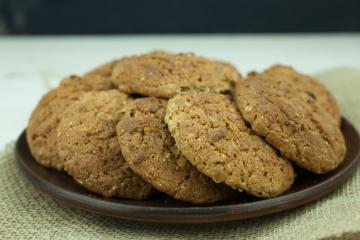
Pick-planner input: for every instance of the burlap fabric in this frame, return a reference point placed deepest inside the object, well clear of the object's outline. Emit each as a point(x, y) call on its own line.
point(26, 213)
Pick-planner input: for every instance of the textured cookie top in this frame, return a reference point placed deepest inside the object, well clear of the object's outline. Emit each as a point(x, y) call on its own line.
point(88, 144)
point(312, 87)
point(151, 152)
point(211, 134)
point(163, 74)
point(75, 84)
point(41, 131)
point(288, 112)
point(104, 70)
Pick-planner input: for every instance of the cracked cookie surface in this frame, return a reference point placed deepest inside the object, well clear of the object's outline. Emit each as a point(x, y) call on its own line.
point(162, 74)
point(88, 144)
point(151, 152)
point(292, 114)
point(210, 132)
point(41, 130)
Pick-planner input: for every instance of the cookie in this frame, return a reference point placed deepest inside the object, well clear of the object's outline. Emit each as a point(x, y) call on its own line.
point(148, 147)
point(88, 144)
point(75, 84)
point(104, 70)
point(41, 130)
point(162, 74)
point(211, 134)
point(310, 86)
point(286, 110)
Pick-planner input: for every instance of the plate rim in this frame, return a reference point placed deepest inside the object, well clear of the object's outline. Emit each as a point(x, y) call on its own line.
point(191, 214)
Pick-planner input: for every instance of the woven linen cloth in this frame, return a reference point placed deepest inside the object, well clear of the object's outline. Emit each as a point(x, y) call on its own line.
point(26, 213)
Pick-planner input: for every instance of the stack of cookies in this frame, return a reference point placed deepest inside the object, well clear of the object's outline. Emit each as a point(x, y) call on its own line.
point(187, 126)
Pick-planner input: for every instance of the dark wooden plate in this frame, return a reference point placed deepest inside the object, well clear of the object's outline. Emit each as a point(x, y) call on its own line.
point(162, 209)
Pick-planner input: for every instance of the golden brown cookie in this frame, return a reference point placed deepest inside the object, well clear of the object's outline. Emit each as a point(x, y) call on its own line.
point(41, 131)
point(211, 134)
point(286, 109)
point(104, 70)
point(75, 84)
point(148, 147)
point(162, 74)
point(88, 144)
point(316, 90)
